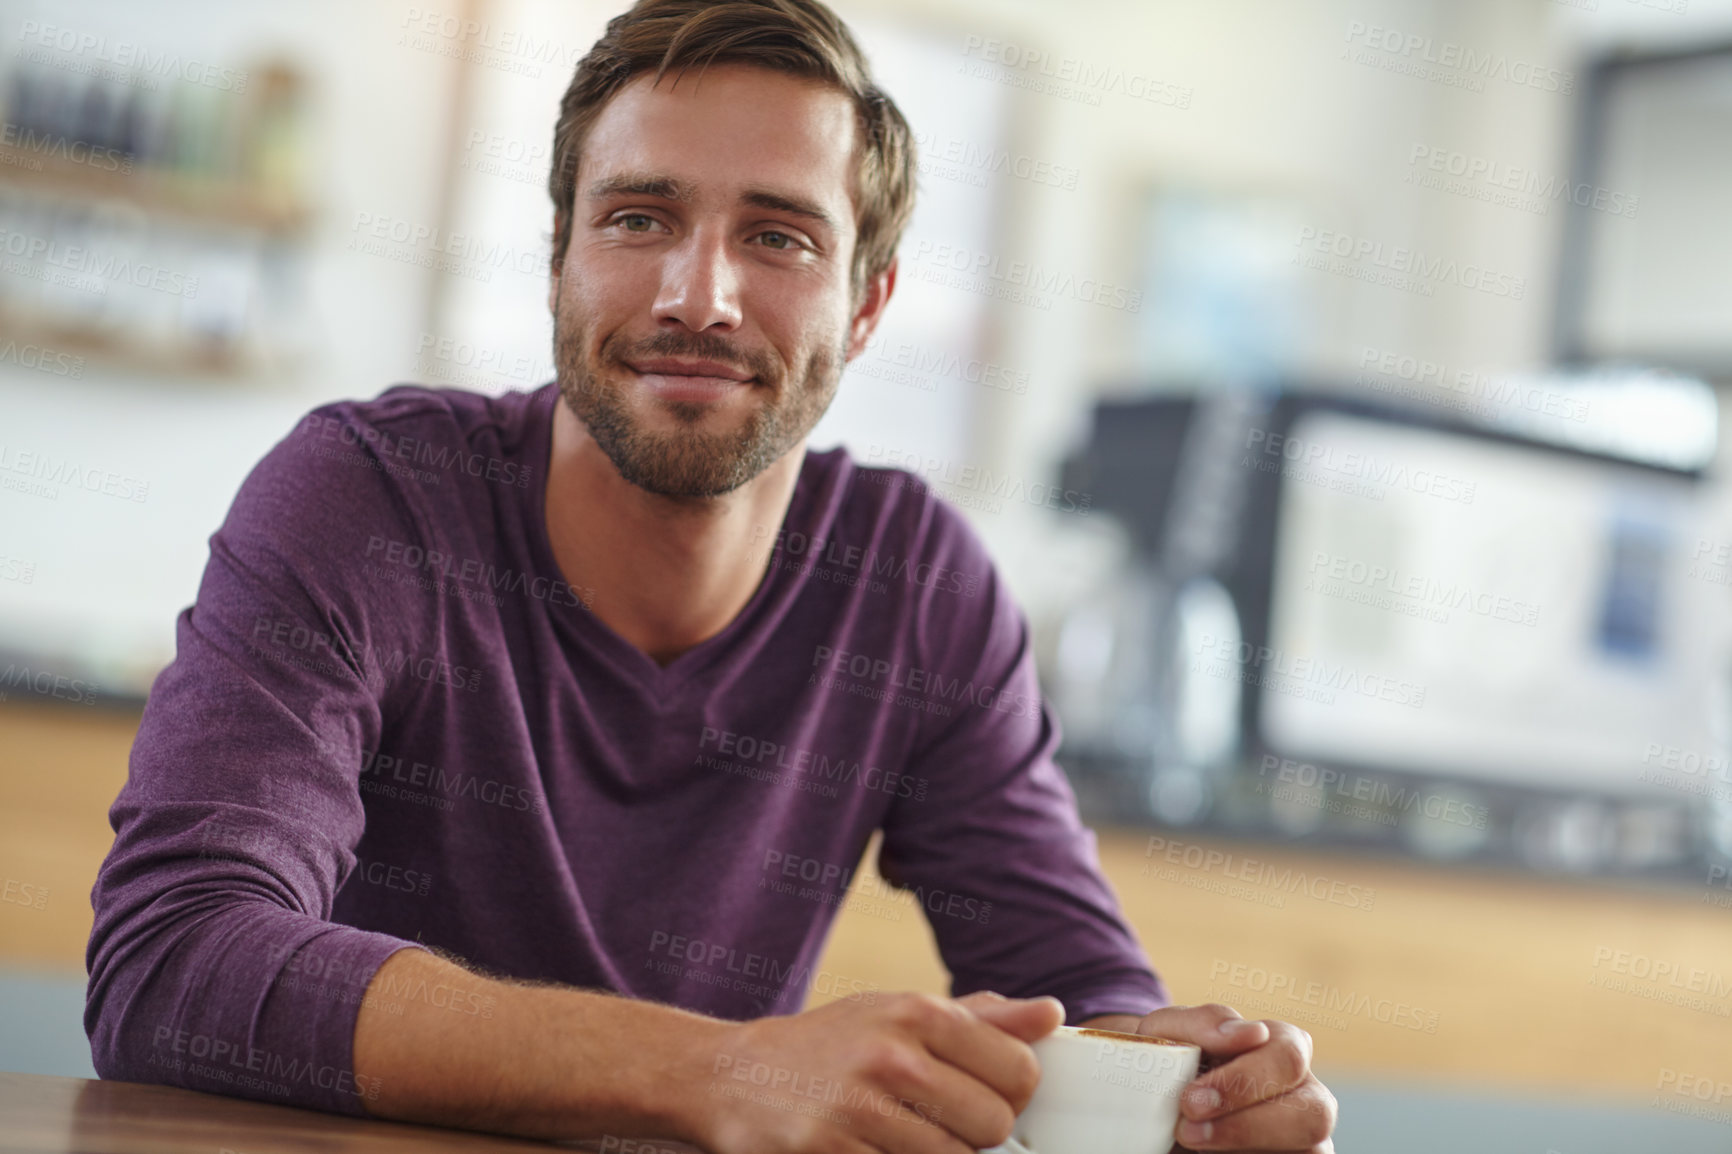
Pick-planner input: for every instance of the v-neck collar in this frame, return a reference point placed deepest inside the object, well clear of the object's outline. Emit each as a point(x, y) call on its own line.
point(630, 661)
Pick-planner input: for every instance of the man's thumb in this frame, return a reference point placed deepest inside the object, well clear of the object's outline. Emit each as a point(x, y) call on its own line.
point(1028, 1019)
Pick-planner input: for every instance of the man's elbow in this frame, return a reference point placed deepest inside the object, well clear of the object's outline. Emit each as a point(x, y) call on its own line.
point(125, 1020)
point(111, 1053)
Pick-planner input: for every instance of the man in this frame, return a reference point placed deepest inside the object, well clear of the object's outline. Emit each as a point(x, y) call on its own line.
point(539, 684)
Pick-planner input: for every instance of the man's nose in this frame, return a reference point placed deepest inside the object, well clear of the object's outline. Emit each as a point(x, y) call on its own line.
point(700, 285)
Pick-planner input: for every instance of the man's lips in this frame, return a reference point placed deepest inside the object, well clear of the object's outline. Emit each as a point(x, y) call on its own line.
point(689, 380)
point(679, 367)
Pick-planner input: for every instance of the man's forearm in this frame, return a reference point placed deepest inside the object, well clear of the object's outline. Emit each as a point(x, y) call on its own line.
point(448, 1047)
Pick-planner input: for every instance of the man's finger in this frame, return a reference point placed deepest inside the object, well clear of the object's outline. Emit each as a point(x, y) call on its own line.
point(908, 1135)
point(1272, 1069)
point(1029, 1019)
point(1217, 1029)
point(973, 1037)
point(973, 1112)
point(990, 1041)
point(1299, 1120)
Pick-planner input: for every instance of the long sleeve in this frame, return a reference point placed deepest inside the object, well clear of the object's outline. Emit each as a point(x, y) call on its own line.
point(998, 830)
point(214, 963)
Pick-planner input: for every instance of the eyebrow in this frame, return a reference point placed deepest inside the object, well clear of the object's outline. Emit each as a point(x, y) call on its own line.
point(793, 206)
point(667, 188)
point(639, 184)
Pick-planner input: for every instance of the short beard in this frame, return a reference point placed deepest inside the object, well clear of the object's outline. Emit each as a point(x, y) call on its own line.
point(690, 464)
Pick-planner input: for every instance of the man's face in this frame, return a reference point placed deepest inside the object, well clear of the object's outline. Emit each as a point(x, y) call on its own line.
point(702, 316)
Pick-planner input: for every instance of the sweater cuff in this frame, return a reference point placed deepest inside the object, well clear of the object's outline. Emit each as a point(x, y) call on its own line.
point(318, 997)
point(1137, 1000)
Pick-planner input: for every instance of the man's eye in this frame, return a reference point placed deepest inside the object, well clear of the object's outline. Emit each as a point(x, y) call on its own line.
point(637, 222)
point(778, 240)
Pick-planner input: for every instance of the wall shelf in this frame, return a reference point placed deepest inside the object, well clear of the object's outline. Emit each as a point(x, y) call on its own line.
point(195, 200)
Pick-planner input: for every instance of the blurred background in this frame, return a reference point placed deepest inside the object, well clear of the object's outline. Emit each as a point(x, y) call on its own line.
point(1337, 383)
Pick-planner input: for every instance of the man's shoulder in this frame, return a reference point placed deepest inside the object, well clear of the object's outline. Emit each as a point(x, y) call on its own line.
point(408, 437)
point(897, 516)
point(398, 459)
point(418, 422)
point(853, 489)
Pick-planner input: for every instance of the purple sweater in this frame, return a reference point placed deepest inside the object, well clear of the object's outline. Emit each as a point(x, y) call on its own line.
point(389, 722)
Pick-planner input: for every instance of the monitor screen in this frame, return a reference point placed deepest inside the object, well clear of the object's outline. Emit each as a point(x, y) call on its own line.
point(1449, 604)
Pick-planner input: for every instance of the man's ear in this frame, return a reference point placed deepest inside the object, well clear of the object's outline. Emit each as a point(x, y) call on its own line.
point(871, 309)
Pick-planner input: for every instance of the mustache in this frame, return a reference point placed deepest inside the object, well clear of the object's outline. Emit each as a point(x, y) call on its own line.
point(697, 346)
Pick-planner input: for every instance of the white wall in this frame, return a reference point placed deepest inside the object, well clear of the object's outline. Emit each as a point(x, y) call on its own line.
point(1278, 107)
point(109, 575)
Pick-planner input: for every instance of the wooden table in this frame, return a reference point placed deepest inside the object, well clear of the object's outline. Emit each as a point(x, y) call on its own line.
point(1507, 962)
point(60, 1115)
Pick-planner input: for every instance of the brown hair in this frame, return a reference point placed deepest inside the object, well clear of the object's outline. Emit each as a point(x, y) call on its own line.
point(797, 37)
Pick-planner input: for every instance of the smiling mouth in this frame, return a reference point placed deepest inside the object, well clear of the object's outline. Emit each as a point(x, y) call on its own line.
point(694, 381)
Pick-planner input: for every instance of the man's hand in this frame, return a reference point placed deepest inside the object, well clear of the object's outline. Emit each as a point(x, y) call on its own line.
point(910, 1074)
point(1260, 1093)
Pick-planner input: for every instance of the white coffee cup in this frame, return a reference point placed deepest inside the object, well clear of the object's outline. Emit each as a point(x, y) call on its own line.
point(1103, 1092)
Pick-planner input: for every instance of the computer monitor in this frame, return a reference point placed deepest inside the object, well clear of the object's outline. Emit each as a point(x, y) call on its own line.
point(1450, 604)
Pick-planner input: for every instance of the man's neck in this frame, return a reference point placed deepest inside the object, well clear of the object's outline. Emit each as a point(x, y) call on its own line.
point(664, 573)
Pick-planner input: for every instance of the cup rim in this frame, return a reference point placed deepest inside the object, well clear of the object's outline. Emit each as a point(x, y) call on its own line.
point(1152, 1039)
